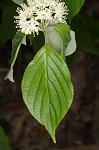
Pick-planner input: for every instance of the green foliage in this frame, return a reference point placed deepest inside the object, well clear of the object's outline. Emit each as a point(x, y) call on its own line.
point(64, 31)
point(74, 7)
point(71, 47)
point(19, 1)
point(19, 39)
point(47, 88)
point(4, 143)
point(53, 38)
point(58, 37)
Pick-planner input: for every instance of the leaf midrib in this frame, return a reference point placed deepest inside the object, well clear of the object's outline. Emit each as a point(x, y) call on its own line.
point(46, 72)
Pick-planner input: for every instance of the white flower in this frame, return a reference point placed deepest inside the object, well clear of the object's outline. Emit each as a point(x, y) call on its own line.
point(38, 14)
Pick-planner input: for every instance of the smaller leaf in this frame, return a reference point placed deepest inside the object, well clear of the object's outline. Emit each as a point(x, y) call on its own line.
point(24, 41)
point(9, 75)
point(19, 39)
point(64, 31)
point(18, 1)
point(71, 47)
point(57, 37)
point(4, 143)
point(54, 39)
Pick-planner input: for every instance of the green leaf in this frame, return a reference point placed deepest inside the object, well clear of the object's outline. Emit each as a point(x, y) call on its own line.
point(64, 31)
point(71, 47)
point(19, 1)
point(74, 7)
point(53, 38)
point(47, 88)
point(19, 39)
point(58, 37)
point(4, 143)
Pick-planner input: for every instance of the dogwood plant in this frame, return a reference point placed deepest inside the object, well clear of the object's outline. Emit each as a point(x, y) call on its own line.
point(46, 85)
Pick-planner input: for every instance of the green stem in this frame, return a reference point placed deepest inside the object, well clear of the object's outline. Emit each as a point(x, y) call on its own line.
point(43, 27)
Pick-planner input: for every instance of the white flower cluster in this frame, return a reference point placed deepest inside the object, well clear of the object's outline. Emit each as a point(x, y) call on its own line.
point(38, 14)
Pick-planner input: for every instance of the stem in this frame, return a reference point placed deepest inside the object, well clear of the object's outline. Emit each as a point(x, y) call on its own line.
point(43, 27)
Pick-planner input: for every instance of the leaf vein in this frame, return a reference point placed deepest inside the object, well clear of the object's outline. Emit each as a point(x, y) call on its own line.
point(62, 75)
point(57, 94)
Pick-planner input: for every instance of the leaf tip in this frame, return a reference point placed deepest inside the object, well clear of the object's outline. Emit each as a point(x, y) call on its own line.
point(53, 137)
point(9, 75)
point(54, 140)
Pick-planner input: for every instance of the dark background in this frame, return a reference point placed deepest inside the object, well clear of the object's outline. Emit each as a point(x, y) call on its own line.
point(79, 129)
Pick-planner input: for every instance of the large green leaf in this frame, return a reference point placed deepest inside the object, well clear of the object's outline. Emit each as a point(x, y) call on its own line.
point(19, 39)
point(47, 88)
point(74, 7)
point(4, 143)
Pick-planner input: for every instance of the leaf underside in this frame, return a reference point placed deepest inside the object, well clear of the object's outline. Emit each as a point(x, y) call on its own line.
point(18, 1)
point(71, 47)
point(47, 88)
